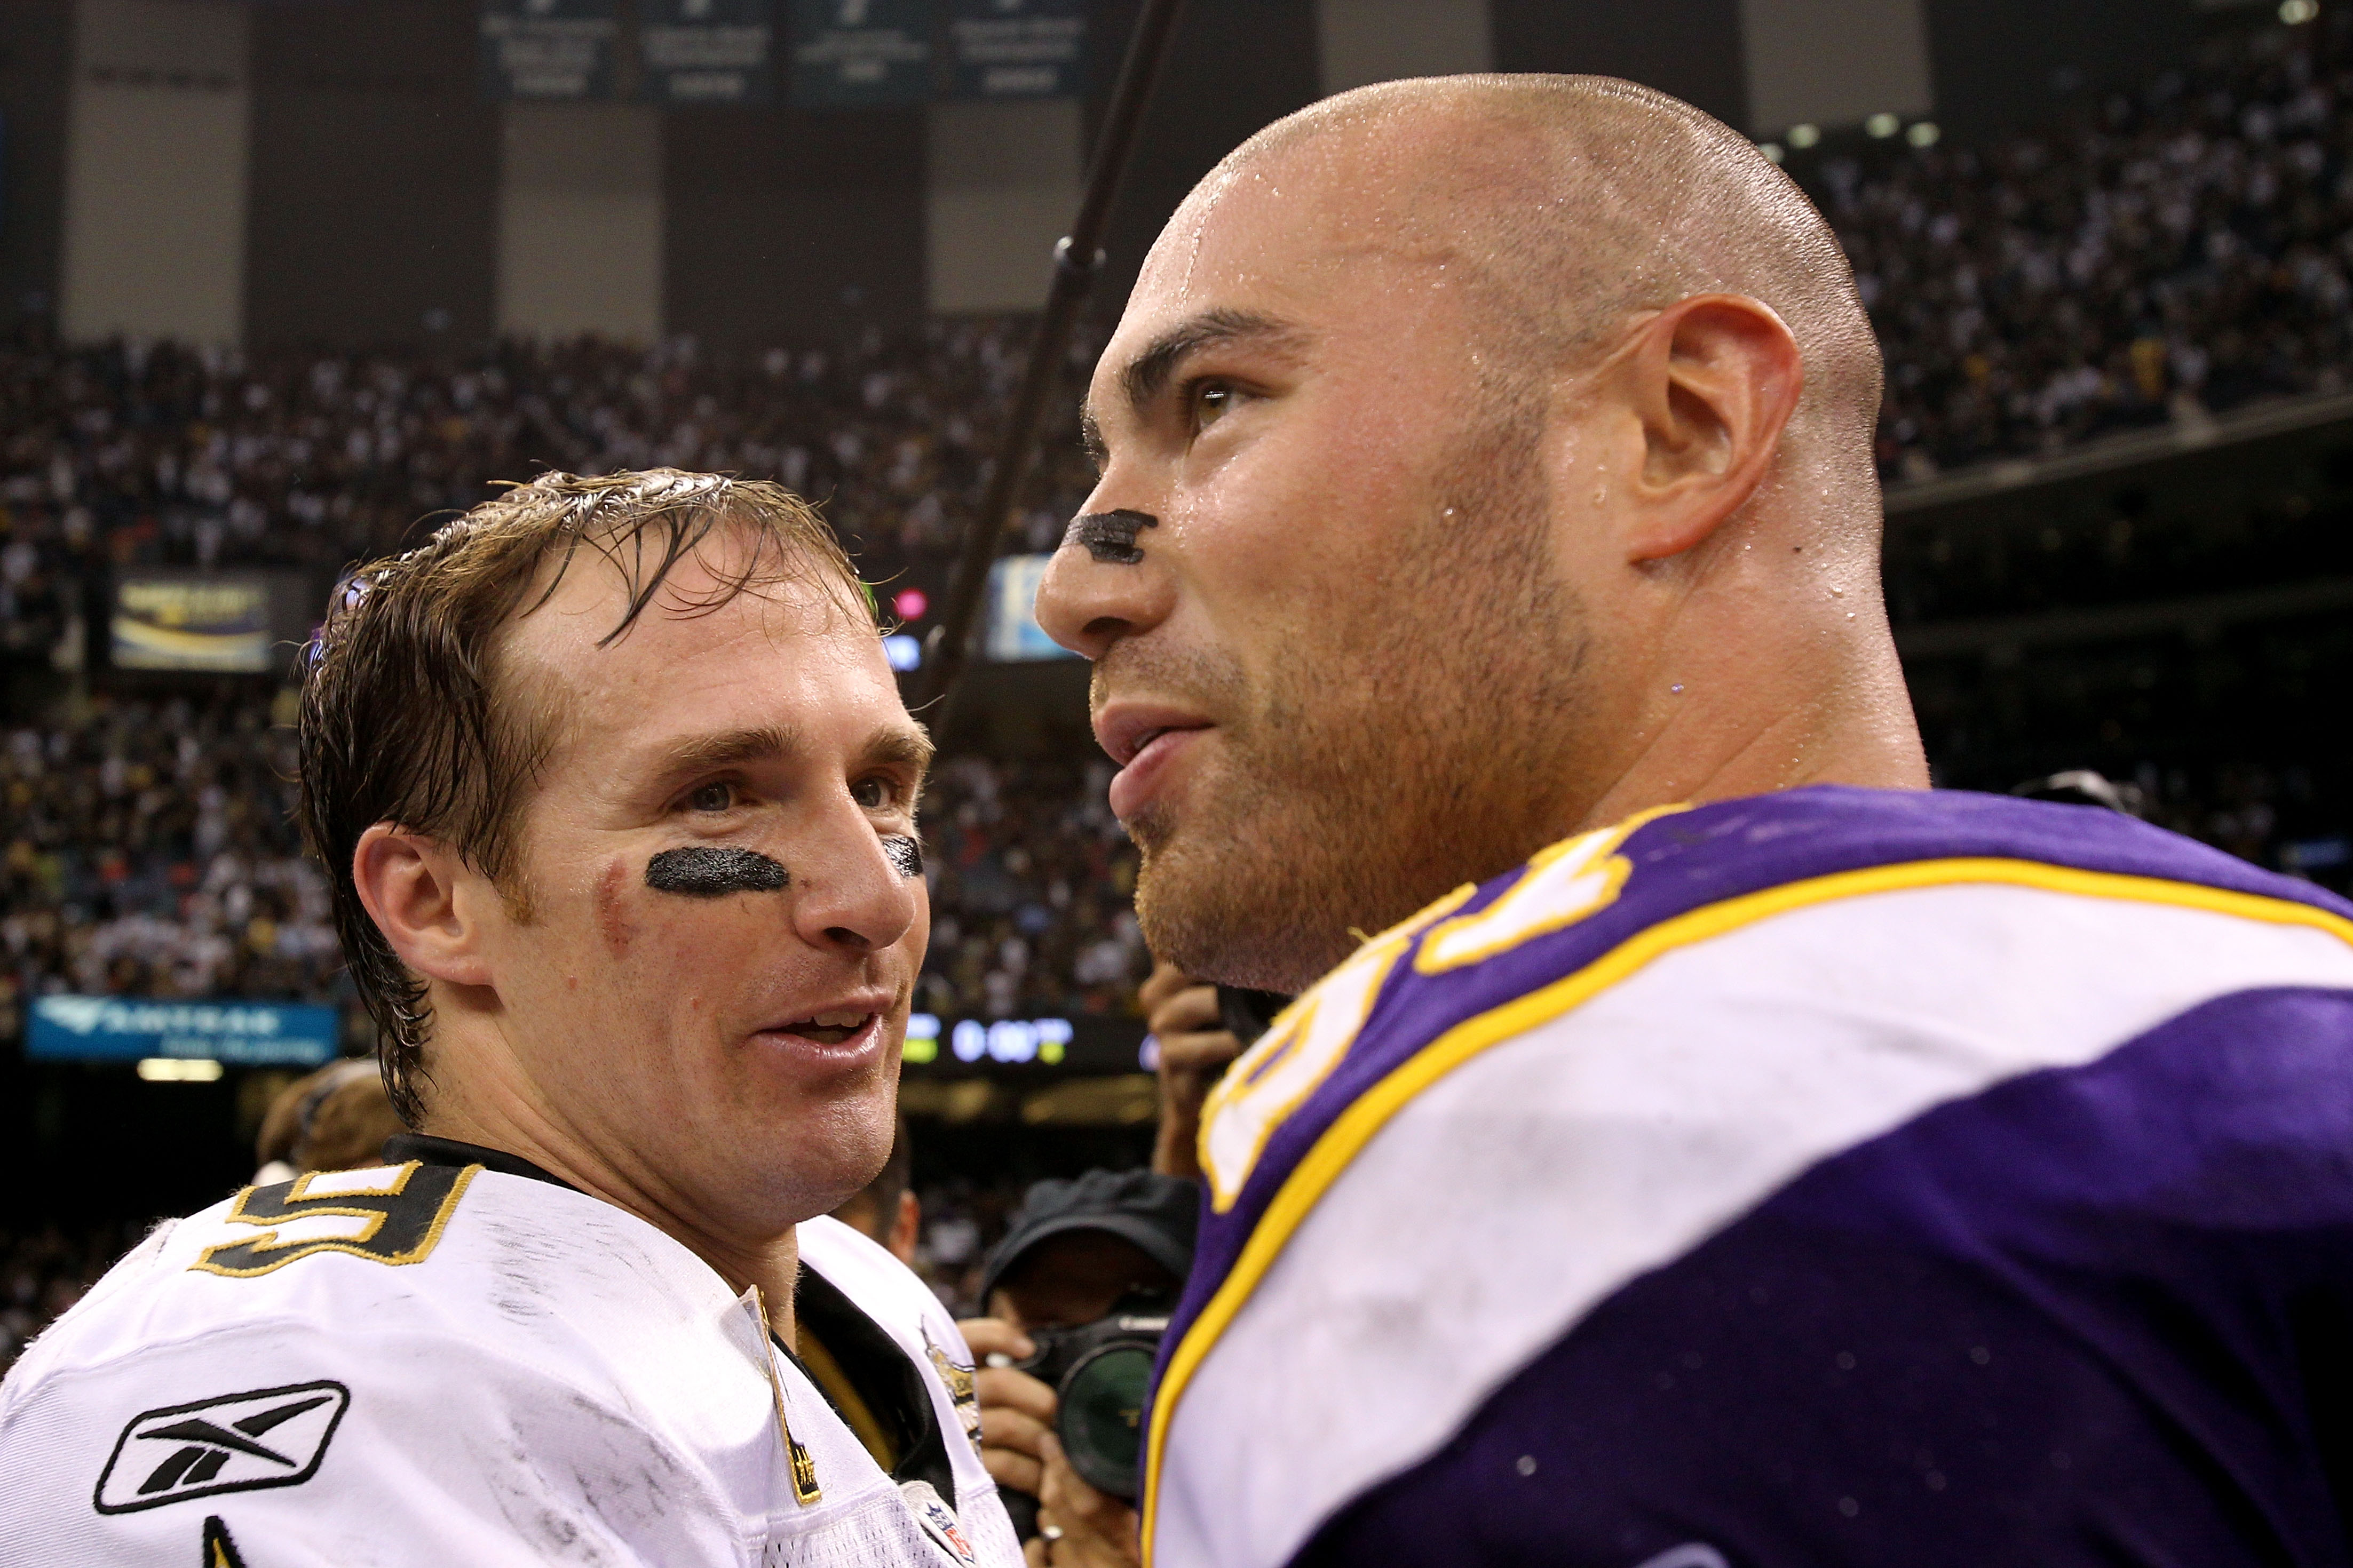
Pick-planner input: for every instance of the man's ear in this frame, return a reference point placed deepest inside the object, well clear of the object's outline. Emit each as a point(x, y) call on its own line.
point(1712, 380)
point(419, 892)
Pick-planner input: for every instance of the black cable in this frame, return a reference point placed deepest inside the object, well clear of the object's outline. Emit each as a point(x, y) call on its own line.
point(1078, 261)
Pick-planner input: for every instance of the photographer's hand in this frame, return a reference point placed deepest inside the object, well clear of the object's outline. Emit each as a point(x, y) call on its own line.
point(1084, 1528)
point(1195, 1046)
point(1017, 1411)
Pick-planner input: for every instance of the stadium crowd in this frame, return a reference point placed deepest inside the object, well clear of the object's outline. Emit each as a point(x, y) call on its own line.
point(150, 851)
point(2156, 254)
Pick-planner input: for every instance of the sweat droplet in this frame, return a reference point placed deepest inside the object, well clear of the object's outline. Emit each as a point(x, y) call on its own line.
point(1677, 687)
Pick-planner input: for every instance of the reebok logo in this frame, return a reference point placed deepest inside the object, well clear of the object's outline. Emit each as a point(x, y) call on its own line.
point(239, 1442)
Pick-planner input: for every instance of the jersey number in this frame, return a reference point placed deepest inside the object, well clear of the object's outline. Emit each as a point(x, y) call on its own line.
point(393, 1214)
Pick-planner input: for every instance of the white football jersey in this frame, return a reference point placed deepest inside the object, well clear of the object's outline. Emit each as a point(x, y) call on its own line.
point(426, 1364)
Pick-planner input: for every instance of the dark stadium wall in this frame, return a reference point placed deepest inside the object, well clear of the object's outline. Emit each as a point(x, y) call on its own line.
point(36, 77)
point(1691, 49)
point(1999, 64)
point(1233, 66)
point(783, 223)
point(374, 175)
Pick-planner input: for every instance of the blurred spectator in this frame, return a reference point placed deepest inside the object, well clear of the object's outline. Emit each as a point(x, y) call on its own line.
point(2158, 254)
point(335, 1119)
point(147, 852)
point(137, 453)
point(1077, 1252)
point(44, 1272)
point(1032, 885)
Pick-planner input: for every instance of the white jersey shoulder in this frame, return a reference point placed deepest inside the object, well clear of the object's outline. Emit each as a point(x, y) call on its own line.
point(425, 1363)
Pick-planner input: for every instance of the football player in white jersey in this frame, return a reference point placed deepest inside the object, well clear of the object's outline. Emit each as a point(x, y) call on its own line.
point(1744, 1156)
point(619, 797)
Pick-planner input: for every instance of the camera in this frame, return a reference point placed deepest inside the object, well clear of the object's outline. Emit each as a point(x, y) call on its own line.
point(1101, 1373)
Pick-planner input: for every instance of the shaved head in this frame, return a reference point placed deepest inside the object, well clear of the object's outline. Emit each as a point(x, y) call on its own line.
point(1496, 458)
point(1575, 202)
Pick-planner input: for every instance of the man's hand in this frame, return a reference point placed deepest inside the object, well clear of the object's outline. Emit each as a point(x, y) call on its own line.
point(1017, 1411)
point(1083, 1528)
point(1195, 1046)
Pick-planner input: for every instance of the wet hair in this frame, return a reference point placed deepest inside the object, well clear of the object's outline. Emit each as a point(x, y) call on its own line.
point(407, 720)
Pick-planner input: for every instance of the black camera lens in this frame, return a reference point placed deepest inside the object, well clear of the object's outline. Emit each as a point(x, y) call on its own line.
point(1100, 1415)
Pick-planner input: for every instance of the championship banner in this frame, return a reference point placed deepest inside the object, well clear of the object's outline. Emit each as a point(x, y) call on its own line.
point(705, 52)
point(219, 625)
point(1018, 48)
point(549, 48)
point(862, 54)
point(122, 1029)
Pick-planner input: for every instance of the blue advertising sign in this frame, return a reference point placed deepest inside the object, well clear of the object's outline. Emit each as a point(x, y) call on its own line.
point(1018, 48)
point(129, 1029)
point(549, 48)
point(1010, 633)
point(705, 52)
point(859, 54)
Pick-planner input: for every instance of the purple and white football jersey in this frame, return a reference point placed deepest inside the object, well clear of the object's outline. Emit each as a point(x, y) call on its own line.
point(1833, 1177)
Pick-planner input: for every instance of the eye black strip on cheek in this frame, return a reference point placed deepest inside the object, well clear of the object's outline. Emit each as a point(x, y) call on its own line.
point(1110, 536)
point(906, 854)
point(713, 871)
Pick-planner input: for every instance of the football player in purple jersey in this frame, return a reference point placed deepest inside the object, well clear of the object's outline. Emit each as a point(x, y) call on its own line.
point(1724, 1151)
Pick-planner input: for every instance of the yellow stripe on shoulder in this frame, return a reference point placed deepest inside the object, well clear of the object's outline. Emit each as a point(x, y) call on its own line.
point(1561, 886)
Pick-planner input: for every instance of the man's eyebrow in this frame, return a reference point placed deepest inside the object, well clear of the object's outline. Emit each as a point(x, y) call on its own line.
point(729, 748)
point(896, 747)
point(1144, 376)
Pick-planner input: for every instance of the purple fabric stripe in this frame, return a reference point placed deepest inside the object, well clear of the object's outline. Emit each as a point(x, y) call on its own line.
point(1686, 861)
point(2100, 1315)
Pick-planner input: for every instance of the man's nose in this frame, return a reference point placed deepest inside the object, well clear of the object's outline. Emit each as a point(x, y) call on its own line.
point(1112, 578)
point(849, 893)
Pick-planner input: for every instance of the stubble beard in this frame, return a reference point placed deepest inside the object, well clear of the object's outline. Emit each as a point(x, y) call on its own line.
point(1404, 756)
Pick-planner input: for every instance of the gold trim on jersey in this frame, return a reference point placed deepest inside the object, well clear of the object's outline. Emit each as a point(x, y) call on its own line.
point(1274, 1076)
point(1560, 886)
point(1370, 1112)
point(798, 1464)
point(417, 1236)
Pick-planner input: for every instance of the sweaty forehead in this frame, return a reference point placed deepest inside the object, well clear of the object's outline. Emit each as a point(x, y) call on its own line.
point(743, 659)
point(1322, 228)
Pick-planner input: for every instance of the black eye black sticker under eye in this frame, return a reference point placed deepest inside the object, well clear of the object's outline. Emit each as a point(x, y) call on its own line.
point(713, 871)
point(906, 854)
point(1110, 536)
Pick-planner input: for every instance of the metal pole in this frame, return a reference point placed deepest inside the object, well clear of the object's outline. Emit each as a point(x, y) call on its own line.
point(1078, 261)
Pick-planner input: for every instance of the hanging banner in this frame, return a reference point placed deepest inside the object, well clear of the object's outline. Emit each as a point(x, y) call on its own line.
point(850, 54)
point(215, 624)
point(549, 48)
point(705, 52)
point(123, 1029)
point(1018, 48)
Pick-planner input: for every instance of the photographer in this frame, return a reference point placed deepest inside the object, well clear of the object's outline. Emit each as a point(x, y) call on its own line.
point(1098, 1258)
